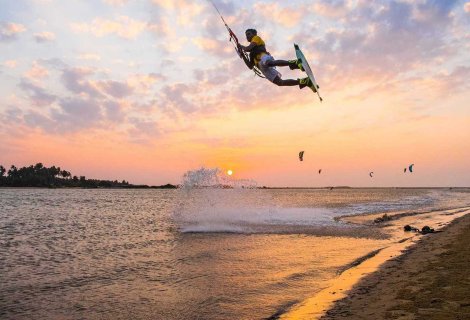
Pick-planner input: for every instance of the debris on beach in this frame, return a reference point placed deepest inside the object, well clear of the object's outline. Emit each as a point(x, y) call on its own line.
point(427, 229)
point(424, 230)
point(410, 228)
point(383, 218)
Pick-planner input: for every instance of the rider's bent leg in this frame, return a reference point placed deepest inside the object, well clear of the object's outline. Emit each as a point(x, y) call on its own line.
point(277, 63)
point(285, 83)
point(293, 64)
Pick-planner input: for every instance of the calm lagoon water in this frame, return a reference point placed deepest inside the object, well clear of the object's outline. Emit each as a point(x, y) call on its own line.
point(184, 254)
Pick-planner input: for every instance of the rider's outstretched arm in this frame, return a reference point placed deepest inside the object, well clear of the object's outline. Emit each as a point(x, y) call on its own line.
point(249, 47)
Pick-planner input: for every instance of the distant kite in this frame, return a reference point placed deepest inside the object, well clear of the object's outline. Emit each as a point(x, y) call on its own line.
point(301, 156)
point(404, 170)
point(371, 174)
point(410, 168)
point(319, 171)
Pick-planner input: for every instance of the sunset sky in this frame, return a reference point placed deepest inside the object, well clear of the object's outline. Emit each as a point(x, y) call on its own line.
point(145, 90)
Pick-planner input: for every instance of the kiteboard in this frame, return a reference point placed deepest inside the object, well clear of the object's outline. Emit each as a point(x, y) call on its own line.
point(307, 69)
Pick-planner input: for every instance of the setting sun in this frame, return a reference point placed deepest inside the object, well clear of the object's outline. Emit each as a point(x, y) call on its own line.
point(229, 172)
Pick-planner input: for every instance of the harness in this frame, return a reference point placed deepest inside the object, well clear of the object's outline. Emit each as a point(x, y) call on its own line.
point(256, 51)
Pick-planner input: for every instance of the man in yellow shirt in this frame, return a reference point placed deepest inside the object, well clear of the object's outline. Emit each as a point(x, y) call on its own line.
point(260, 58)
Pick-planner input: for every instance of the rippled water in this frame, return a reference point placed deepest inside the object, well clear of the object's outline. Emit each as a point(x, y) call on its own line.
point(176, 254)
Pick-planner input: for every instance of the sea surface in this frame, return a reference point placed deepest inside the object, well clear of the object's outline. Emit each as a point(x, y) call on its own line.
point(197, 253)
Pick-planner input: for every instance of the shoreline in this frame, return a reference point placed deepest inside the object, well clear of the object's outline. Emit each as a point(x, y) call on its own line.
point(349, 294)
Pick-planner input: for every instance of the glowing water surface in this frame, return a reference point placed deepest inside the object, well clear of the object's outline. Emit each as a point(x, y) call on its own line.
point(183, 254)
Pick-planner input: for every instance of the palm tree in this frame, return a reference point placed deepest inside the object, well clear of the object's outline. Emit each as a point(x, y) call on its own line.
point(2, 172)
point(65, 174)
point(13, 171)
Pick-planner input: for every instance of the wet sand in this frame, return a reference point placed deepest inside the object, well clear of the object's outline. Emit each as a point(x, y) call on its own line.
point(431, 280)
point(416, 277)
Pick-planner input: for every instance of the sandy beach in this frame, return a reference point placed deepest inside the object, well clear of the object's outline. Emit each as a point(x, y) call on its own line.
point(415, 277)
point(430, 280)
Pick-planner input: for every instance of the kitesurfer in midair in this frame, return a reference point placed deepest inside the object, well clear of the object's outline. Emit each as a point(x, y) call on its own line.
point(260, 58)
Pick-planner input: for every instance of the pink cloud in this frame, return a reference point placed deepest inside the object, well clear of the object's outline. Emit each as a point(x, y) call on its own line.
point(143, 131)
point(330, 9)
point(444, 84)
point(37, 72)
point(75, 81)
point(288, 17)
point(123, 27)
point(89, 56)
point(45, 36)
point(10, 64)
point(115, 89)
point(143, 83)
point(114, 111)
point(186, 10)
point(216, 47)
point(466, 7)
point(116, 2)
point(173, 4)
point(9, 30)
point(38, 95)
point(367, 43)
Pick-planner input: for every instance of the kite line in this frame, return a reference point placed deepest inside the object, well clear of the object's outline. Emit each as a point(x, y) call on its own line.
point(233, 38)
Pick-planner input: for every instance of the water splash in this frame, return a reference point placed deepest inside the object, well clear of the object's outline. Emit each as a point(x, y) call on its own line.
point(213, 178)
point(210, 201)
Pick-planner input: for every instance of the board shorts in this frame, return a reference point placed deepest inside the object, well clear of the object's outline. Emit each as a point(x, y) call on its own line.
point(269, 72)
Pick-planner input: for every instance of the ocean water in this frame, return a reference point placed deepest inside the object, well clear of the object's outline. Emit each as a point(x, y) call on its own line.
point(190, 253)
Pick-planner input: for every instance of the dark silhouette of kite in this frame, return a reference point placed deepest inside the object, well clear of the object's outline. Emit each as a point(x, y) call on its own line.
point(371, 174)
point(319, 171)
point(404, 170)
point(301, 156)
point(410, 168)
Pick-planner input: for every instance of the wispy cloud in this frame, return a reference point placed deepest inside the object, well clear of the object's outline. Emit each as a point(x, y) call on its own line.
point(331, 9)
point(381, 41)
point(213, 46)
point(115, 89)
point(9, 30)
point(37, 72)
point(10, 64)
point(123, 27)
point(143, 83)
point(45, 36)
point(116, 2)
point(114, 111)
point(89, 56)
point(75, 80)
point(286, 16)
point(143, 131)
point(38, 95)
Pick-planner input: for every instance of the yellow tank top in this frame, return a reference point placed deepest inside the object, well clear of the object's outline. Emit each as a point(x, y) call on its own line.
point(259, 42)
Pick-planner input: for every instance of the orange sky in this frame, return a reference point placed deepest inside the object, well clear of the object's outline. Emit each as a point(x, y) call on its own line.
point(108, 93)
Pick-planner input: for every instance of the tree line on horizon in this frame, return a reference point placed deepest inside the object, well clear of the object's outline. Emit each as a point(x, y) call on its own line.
point(54, 177)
